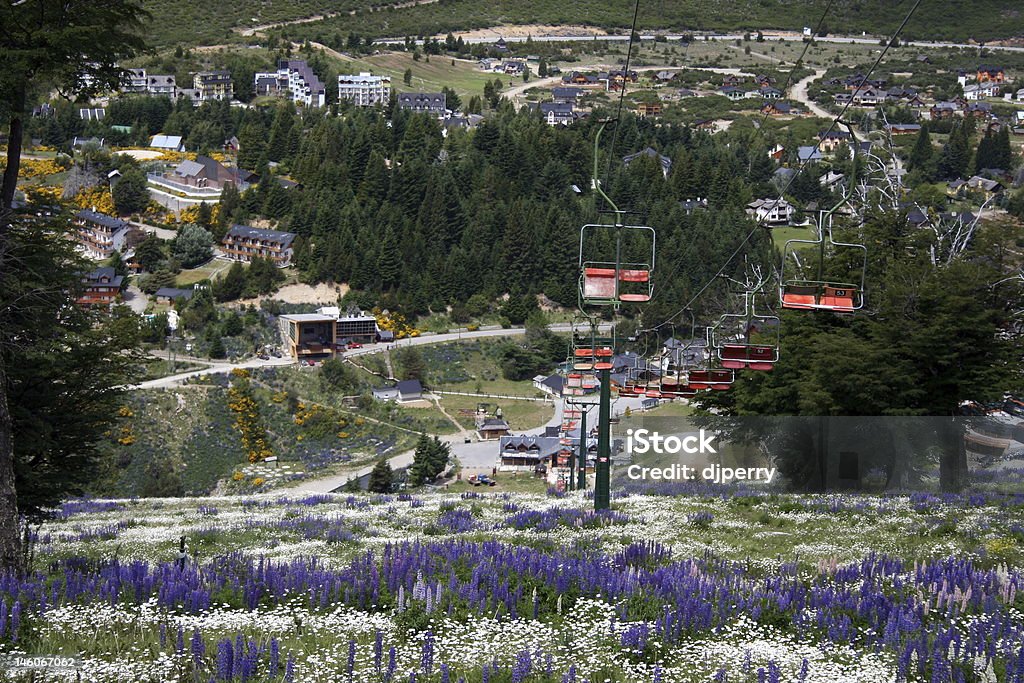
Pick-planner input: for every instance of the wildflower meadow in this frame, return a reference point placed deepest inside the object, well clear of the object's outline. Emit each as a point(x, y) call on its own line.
point(498, 587)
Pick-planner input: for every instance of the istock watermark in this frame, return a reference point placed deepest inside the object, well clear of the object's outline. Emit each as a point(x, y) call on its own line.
point(641, 442)
point(644, 441)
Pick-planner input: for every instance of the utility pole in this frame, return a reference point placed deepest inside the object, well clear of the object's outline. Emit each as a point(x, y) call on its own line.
point(602, 483)
point(581, 483)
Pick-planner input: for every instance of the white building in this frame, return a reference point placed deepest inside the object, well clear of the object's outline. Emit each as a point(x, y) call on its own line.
point(771, 211)
point(364, 89)
point(295, 79)
point(141, 82)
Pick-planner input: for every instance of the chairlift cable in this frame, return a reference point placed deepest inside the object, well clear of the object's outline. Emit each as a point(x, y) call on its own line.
point(838, 119)
point(622, 93)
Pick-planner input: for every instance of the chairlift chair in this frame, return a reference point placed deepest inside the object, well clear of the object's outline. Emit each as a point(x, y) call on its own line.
point(606, 278)
point(822, 293)
point(747, 340)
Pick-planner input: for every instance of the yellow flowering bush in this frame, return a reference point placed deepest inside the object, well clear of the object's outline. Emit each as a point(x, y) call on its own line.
point(97, 198)
point(125, 411)
point(247, 417)
point(394, 322)
point(44, 194)
point(177, 157)
point(37, 168)
point(127, 437)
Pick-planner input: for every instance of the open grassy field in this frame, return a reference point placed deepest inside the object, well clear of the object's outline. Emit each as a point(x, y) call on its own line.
point(472, 366)
point(460, 75)
point(210, 270)
point(521, 415)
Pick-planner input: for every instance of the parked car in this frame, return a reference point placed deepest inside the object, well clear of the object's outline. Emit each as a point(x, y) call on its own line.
point(354, 345)
point(482, 480)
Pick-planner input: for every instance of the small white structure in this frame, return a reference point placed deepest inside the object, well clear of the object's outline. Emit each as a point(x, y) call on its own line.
point(171, 143)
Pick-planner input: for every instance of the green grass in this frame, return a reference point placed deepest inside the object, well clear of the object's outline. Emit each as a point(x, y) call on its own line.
point(161, 367)
point(472, 366)
point(208, 271)
point(673, 409)
point(508, 482)
point(781, 235)
point(463, 76)
point(521, 415)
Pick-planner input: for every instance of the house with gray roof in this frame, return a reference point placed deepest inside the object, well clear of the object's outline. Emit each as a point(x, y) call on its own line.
point(424, 103)
point(524, 452)
point(401, 392)
point(99, 235)
point(244, 243)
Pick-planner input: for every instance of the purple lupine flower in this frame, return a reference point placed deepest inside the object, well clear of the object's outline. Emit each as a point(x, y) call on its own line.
point(427, 657)
point(275, 656)
point(289, 669)
point(15, 620)
point(179, 644)
point(446, 676)
point(392, 664)
point(225, 660)
point(522, 667)
point(378, 650)
point(351, 664)
point(198, 647)
point(570, 675)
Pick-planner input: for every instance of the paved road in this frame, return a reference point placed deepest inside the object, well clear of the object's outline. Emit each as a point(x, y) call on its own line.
point(220, 368)
point(162, 233)
point(136, 299)
point(215, 369)
point(770, 36)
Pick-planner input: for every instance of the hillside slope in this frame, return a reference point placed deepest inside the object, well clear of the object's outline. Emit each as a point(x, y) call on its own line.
point(194, 22)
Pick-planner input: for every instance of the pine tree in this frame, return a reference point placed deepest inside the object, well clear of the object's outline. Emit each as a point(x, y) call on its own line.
point(381, 478)
point(389, 263)
point(922, 154)
point(956, 154)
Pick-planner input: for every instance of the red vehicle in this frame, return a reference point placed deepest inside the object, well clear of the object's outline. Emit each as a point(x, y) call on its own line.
point(354, 345)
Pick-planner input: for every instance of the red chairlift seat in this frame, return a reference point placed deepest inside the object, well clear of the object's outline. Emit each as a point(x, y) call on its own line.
point(824, 296)
point(744, 356)
point(800, 297)
point(837, 299)
point(631, 275)
point(599, 283)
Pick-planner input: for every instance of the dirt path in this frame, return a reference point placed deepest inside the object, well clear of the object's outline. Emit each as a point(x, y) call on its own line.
point(759, 55)
point(259, 30)
point(799, 93)
point(437, 402)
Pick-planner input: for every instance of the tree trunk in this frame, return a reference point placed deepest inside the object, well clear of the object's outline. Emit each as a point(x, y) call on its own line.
point(16, 131)
point(10, 538)
point(953, 463)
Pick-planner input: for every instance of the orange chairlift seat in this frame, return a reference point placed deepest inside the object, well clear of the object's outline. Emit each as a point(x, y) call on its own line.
point(822, 292)
point(840, 298)
point(606, 279)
